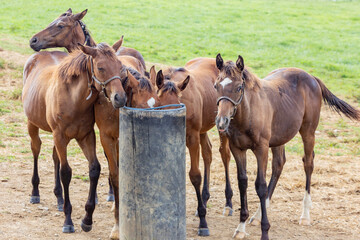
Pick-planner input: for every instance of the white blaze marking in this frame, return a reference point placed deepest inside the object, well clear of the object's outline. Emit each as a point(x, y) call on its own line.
point(306, 206)
point(151, 102)
point(225, 82)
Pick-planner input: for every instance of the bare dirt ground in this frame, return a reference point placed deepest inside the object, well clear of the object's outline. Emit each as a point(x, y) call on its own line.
point(335, 185)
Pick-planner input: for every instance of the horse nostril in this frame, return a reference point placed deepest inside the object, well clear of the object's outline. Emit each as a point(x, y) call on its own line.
point(119, 101)
point(33, 40)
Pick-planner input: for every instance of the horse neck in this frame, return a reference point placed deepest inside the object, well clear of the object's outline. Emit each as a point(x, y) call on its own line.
point(79, 37)
point(79, 91)
point(244, 111)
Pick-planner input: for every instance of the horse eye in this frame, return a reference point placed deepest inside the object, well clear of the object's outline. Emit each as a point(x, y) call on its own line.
point(100, 69)
point(238, 89)
point(215, 86)
point(60, 26)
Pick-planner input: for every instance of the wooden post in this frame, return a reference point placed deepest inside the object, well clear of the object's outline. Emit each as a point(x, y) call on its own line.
point(152, 174)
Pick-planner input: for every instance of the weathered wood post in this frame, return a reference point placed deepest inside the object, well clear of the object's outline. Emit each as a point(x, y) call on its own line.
point(152, 174)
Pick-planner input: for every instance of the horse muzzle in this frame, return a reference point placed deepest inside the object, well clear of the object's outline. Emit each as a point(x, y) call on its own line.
point(118, 100)
point(35, 44)
point(222, 123)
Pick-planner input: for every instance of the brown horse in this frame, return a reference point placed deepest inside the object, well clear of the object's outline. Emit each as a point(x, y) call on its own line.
point(60, 99)
point(141, 94)
point(258, 114)
point(68, 30)
point(199, 76)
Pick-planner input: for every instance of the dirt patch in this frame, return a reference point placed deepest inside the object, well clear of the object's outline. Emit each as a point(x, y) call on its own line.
point(335, 187)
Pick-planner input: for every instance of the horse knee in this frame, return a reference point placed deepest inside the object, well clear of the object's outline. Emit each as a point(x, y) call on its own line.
point(261, 188)
point(65, 173)
point(95, 170)
point(195, 178)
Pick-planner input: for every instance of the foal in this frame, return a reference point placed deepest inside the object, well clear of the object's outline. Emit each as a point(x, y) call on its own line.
point(258, 114)
point(200, 100)
point(58, 99)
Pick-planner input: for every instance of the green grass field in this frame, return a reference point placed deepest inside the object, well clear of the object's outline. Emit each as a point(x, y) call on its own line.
point(321, 37)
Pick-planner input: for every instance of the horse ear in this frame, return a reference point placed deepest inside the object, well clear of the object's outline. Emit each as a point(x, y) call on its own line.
point(240, 63)
point(133, 83)
point(182, 85)
point(79, 16)
point(87, 50)
point(219, 62)
point(153, 75)
point(69, 11)
point(118, 44)
point(160, 79)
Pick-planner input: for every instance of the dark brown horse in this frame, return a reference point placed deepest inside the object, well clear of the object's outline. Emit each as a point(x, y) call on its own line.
point(60, 98)
point(199, 96)
point(68, 30)
point(141, 94)
point(261, 114)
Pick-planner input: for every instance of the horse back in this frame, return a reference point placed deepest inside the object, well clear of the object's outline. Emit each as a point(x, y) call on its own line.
point(293, 93)
point(132, 62)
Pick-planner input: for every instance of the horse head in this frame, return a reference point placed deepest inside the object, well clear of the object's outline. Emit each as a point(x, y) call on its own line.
point(230, 86)
point(171, 85)
point(65, 31)
point(107, 72)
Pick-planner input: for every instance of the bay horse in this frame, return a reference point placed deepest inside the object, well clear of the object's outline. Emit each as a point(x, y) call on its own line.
point(141, 94)
point(68, 30)
point(59, 98)
point(198, 76)
point(261, 114)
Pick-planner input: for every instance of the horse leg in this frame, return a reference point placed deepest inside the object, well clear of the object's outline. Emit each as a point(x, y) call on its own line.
point(61, 143)
point(192, 142)
point(278, 162)
point(261, 154)
point(308, 137)
point(207, 156)
point(110, 197)
point(57, 188)
point(35, 148)
point(225, 156)
point(108, 144)
point(88, 146)
point(240, 158)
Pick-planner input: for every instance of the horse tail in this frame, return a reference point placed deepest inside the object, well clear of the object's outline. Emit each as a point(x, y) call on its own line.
point(337, 104)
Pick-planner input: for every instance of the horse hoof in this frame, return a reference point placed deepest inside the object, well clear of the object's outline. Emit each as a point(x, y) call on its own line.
point(203, 232)
point(68, 229)
point(110, 198)
point(254, 222)
point(35, 199)
point(239, 235)
point(85, 227)
point(228, 211)
point(304, 221)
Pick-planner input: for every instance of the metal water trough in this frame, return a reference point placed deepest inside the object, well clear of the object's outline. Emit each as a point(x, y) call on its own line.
point(152, 173)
